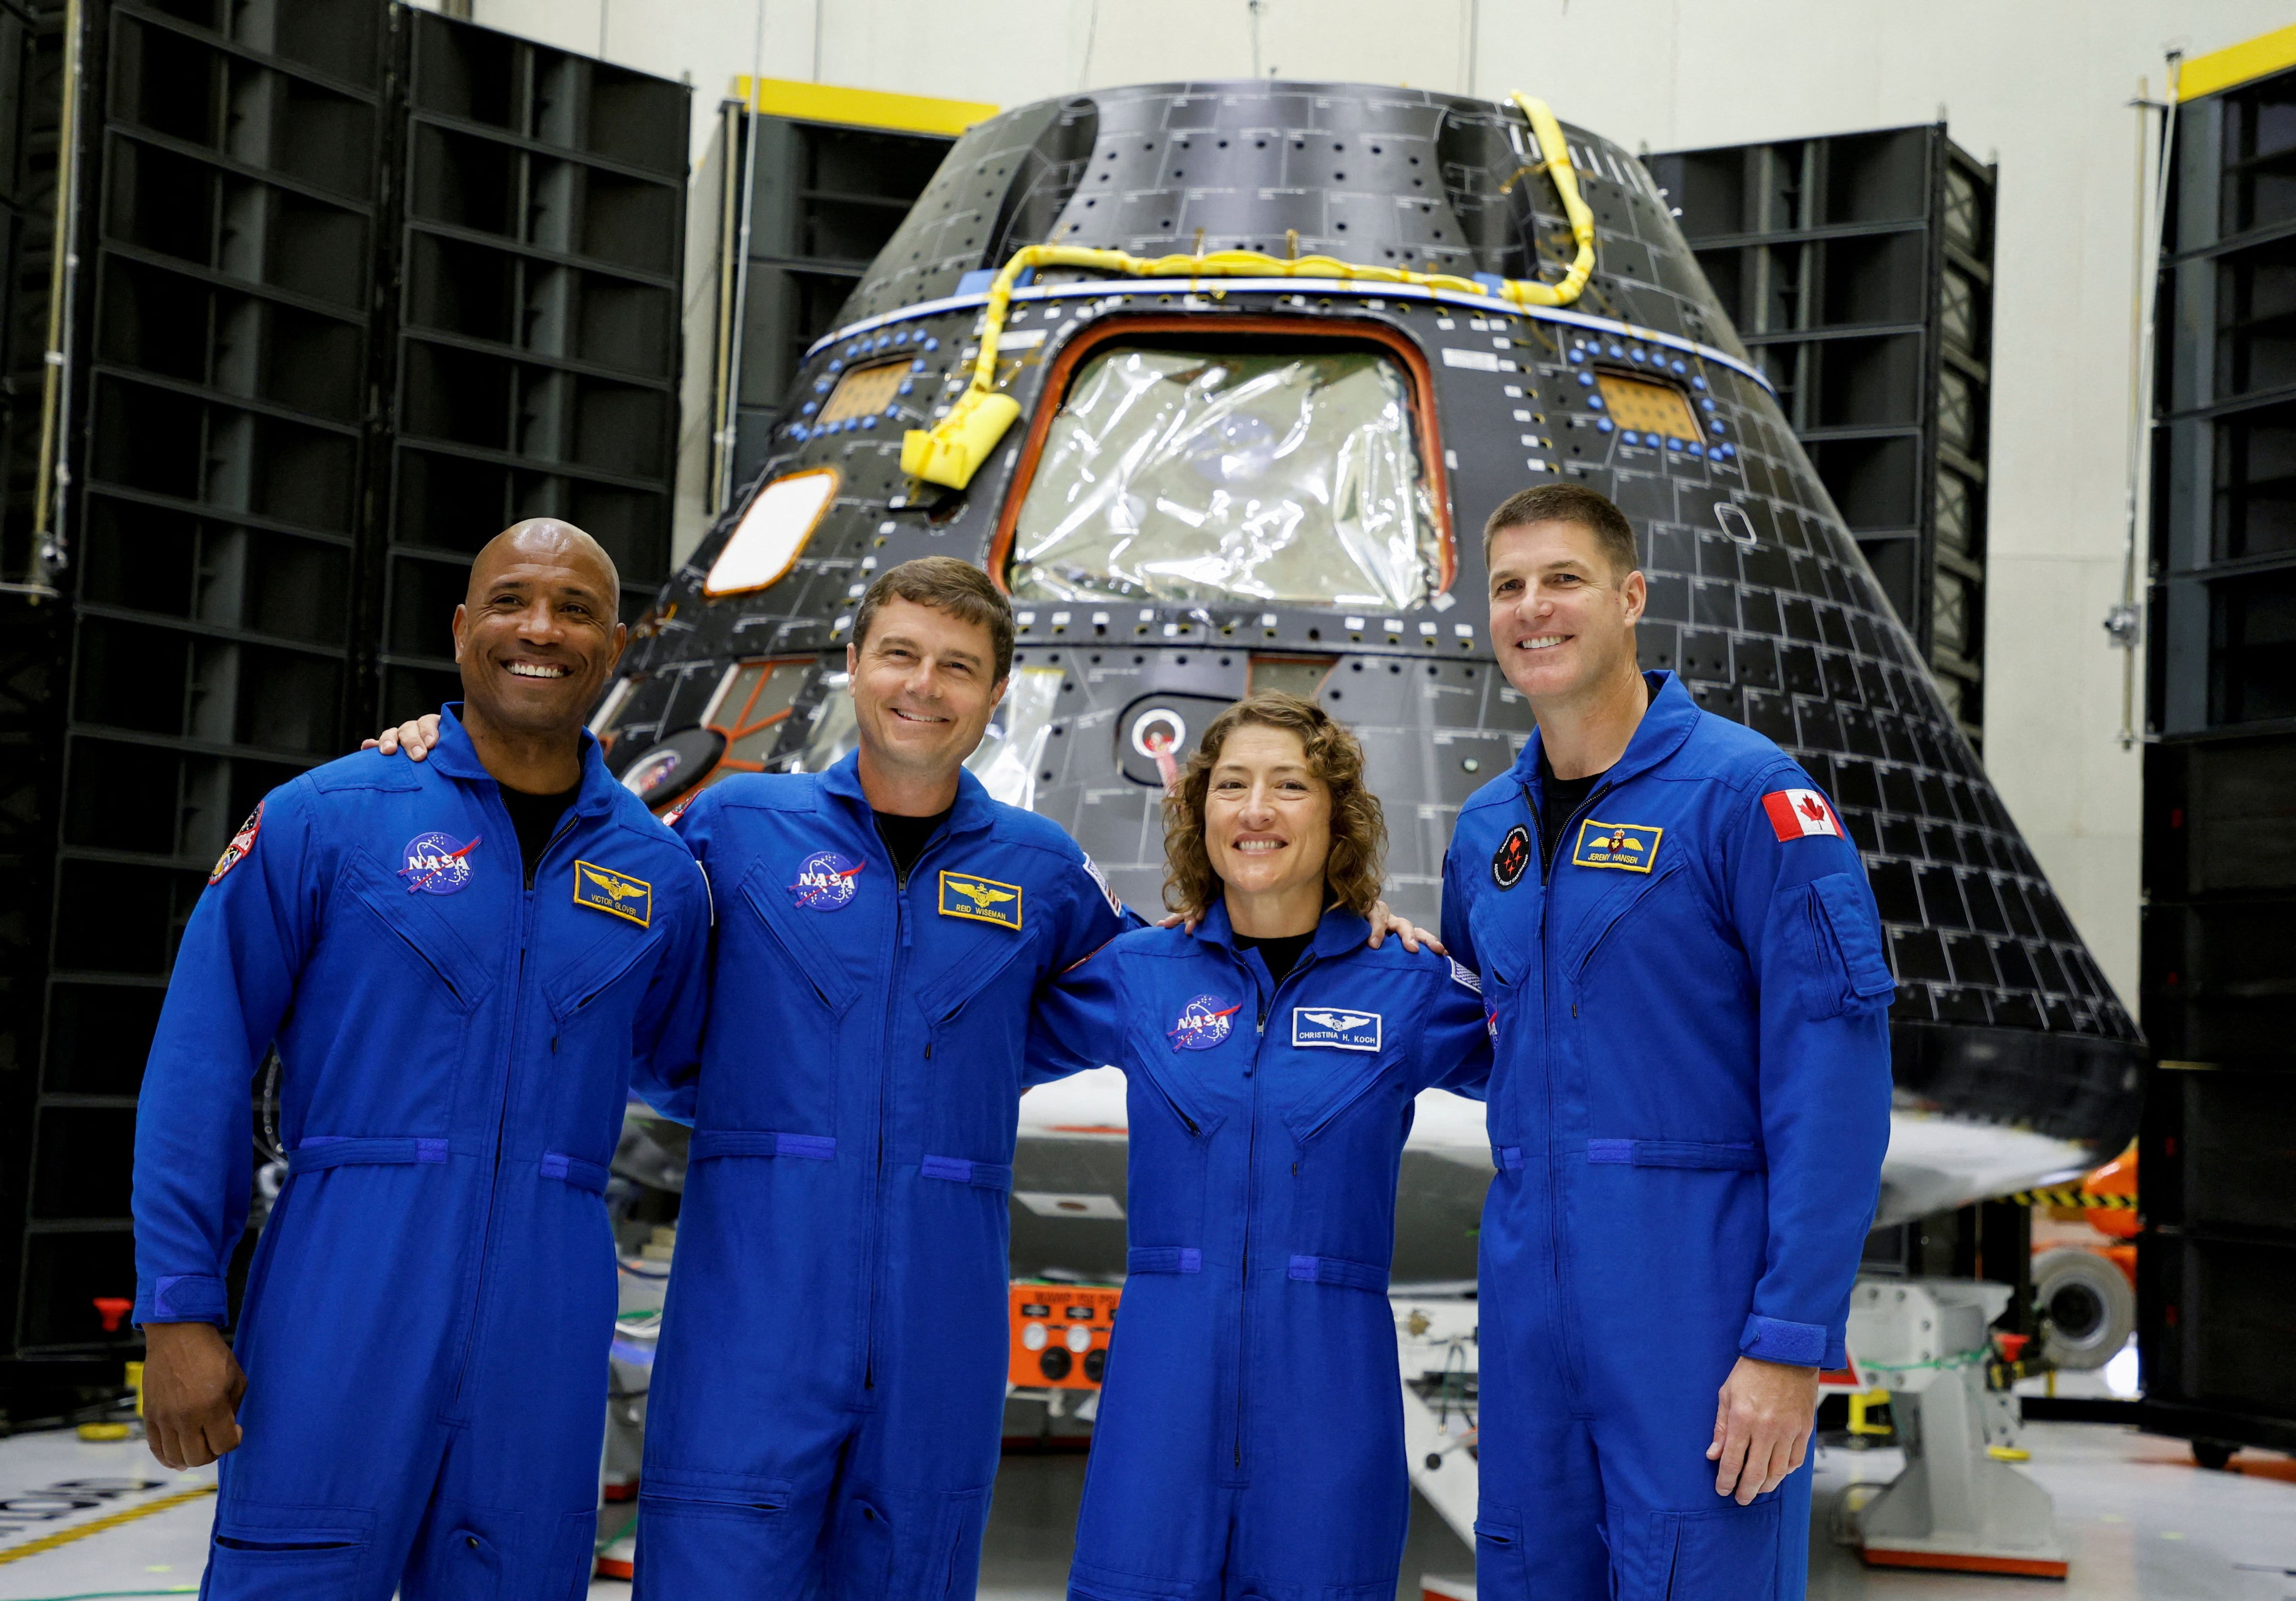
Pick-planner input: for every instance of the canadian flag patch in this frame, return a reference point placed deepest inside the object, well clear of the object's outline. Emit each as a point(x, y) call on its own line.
point(1796, 813)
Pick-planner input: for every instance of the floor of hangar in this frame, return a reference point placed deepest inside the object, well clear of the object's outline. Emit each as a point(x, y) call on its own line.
point(2141, 1523)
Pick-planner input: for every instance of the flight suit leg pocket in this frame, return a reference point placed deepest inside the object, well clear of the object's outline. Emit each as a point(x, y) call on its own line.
point(953, 1568)
point(1727, 1555)
point(1502, 1566)
point(263, 1552)
point(700, 1533)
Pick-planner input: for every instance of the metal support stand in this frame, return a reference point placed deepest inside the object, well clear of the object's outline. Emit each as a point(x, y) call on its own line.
point(1958, 1503)
point(1435, 1342)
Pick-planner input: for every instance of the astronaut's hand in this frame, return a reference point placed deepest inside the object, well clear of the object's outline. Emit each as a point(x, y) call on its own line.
point(1384, 922)
point(192, 1386)
point(1761, 1426)
point(415, 738)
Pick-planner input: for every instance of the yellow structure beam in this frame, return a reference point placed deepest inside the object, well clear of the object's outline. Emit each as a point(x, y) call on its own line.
point(864, 108)
point(2236, 64)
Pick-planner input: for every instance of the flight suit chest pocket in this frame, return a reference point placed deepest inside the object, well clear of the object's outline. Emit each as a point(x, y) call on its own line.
point(417, 934)
point(802, 950)
point(976, 1021)
point(1615, 918)
point(595, 984)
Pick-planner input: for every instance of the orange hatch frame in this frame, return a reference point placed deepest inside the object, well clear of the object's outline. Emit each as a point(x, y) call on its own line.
point(1064, 366)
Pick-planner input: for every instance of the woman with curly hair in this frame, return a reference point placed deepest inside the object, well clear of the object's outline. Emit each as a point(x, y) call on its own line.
point(1250, 1437)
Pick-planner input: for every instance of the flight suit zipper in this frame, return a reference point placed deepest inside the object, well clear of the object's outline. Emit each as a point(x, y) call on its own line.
point(502, 1091)
point(1554, 1244)
point(1266, 1004)
point(894, 991)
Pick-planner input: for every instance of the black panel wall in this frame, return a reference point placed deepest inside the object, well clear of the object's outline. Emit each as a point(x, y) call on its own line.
point(31, 642)
point(538, 346)
point(358, 285)
point(825, 199)
point(1860, 272)
point(2217, 1258)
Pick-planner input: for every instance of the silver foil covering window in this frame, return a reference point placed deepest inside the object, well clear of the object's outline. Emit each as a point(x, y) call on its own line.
point(1174, 475)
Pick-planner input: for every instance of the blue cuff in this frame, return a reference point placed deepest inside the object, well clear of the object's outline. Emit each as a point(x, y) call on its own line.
point(1795, 1345)
point(184, 1298)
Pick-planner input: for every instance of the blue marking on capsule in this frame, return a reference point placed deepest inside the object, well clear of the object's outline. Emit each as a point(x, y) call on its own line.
point(1719, 426)
point(918, 365)
point(1679, 367)
point(932, 343)
point(1576, 354)
point(797, 430)
point(1596, 401)
point(1631, 438)
point(1697, 383)
point(1617, 352)
point(1636, 355)
point(837, 366)
point(869, 422)
point(1586, 381)
point(808, 408)
point(1602, 425)
point(1697, 449)
point(821, 386)
point(908, 384)
point(1708, 403)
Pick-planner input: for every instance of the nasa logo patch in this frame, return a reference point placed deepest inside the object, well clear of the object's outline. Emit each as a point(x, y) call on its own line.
point(1511, 858)
point(240, 844)
point(437, 864)
point(1204, 1023)
point(824, 882)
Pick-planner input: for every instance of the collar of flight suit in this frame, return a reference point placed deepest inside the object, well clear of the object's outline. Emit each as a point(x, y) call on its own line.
point(455, 756)
point(973, 812)
point(1339, 932)
point(1666, 723)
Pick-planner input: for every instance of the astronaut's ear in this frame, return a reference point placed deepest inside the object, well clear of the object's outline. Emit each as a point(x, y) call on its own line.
point(1635, 593)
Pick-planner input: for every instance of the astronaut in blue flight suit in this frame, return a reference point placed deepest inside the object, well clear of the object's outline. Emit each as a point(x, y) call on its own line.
point(1249, 1436)
point(1688, 1104)
point(461, 966)
point(828, 1397)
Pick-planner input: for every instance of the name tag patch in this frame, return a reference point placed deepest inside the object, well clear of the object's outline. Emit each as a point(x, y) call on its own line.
point(1335, 1028)
point(1623, 845)
point(982, 900)
point(602, 889)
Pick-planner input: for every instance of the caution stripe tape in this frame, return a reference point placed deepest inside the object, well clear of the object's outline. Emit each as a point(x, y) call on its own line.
point(2074, 1197)
point(64, 1537)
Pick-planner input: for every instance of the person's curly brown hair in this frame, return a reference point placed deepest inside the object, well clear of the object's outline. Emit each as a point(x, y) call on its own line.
point(1353, 870)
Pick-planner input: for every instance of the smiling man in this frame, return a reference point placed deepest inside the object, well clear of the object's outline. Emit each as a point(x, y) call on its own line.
point(1689, 1100)
point(828, 1399)
point(460, 966)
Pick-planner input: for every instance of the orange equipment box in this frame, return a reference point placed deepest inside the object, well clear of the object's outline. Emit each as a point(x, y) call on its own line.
point(1059, 1334)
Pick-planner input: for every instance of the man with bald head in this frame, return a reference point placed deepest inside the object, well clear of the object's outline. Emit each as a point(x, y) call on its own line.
point(462, 966)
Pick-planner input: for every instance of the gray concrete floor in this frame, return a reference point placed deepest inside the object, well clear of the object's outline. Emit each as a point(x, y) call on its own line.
point(2142, 1522)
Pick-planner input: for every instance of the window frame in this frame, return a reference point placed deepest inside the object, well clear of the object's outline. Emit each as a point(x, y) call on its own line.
point(1060, 372)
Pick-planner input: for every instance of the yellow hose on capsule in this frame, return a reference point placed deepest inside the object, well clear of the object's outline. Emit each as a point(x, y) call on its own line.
point(954, 448)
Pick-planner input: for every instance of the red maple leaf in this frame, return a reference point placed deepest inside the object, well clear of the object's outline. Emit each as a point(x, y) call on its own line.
point(1811, 808)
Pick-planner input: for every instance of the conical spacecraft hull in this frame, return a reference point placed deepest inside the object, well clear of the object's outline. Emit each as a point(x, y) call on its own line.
point(1239, 475)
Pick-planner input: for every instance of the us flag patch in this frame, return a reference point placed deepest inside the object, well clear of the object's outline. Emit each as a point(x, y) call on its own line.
point(1797, 813)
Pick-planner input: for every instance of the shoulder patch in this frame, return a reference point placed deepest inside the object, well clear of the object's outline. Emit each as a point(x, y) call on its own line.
point(1800, 813)
point(1465, 975)
point(1107, 890)
point(240, 844)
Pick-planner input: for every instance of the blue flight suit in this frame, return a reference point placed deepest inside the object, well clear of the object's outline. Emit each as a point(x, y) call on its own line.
point(429, 1308)
point(1689, 1105)
point(1249, 1436)
point(829, 1392)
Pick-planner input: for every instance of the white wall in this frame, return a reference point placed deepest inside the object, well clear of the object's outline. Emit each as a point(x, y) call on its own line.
point(2038, 87)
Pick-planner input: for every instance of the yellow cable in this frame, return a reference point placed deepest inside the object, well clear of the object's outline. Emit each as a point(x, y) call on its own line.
point(98, 1525)
point(953, 451)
